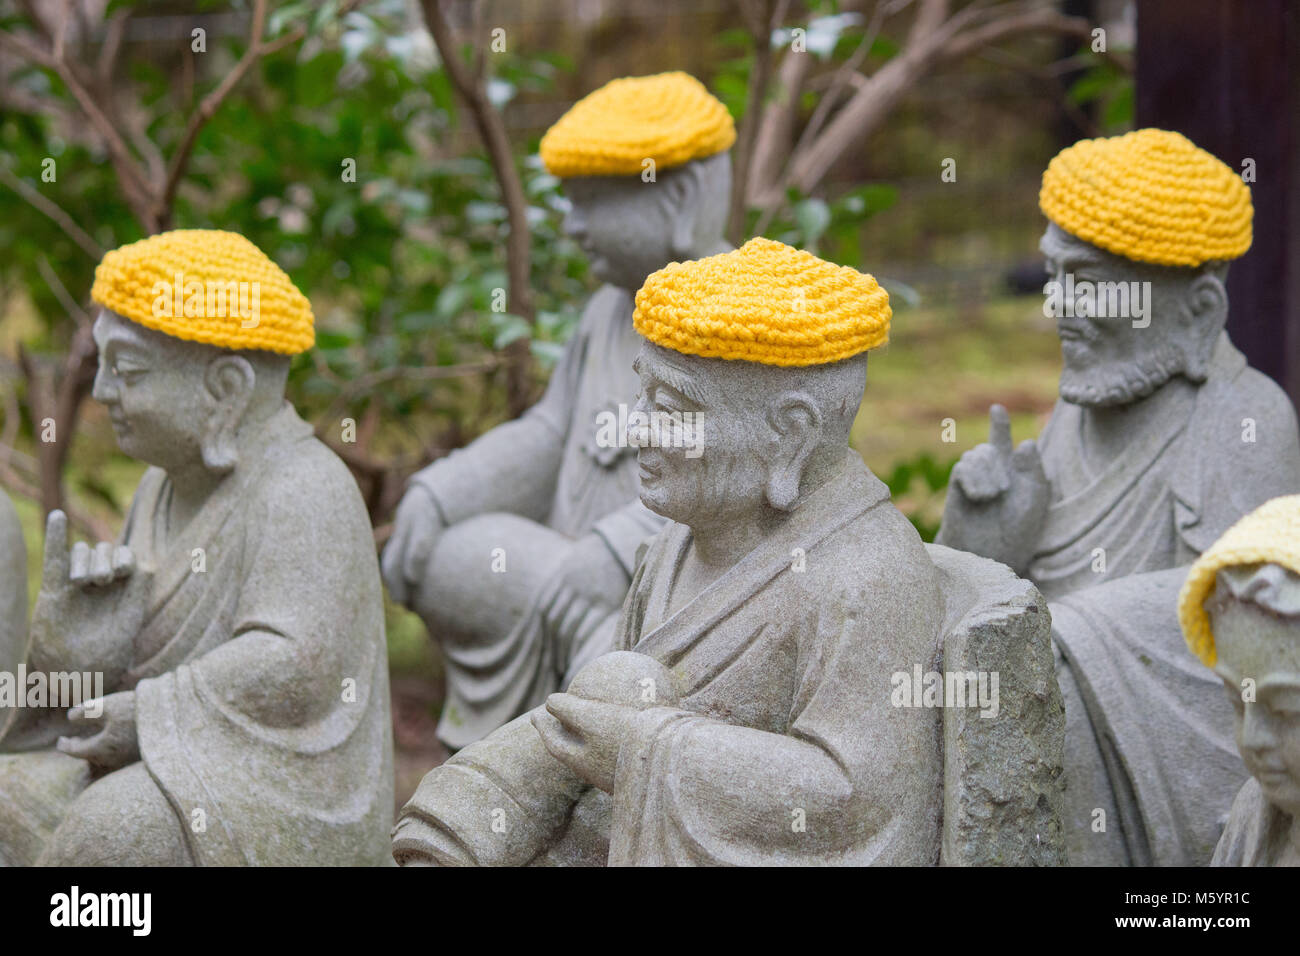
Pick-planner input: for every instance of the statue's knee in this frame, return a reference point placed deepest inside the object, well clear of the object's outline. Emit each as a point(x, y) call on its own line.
point(122, 819)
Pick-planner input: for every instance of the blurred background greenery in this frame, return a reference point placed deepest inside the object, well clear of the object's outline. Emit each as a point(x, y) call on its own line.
point(403, 260)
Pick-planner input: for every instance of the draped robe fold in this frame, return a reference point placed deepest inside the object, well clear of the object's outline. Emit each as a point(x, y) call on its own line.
point(260, 673)
point(784, 747)
point(1149, 731)
point(1257, 834)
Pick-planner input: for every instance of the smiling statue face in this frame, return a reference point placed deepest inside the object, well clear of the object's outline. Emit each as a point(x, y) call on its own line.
point(699, 460)
point(1108, 360)
point(1260, 644)
point(153, 388)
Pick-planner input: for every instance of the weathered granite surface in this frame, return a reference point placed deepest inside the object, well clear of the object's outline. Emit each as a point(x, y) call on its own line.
point(1255, 616)
point(517, 550)
point(1162, 438)
point(238, 628)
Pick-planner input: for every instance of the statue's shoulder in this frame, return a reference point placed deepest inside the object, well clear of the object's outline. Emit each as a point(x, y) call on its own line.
point(1236, 390)
point(609, 303)
point(877, 550)
point(303, 473)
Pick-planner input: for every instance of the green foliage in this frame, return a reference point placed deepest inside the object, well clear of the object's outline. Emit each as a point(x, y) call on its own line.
point(404, 262)
point(1110, 87)
point(916, 482)
point(828, 229)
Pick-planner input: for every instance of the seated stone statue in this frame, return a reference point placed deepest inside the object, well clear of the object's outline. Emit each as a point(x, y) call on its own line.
point(746, 716)
point(238, 624)
point(13, 590)
point(1162, 438)
point(1240, 611)
point(517, 550)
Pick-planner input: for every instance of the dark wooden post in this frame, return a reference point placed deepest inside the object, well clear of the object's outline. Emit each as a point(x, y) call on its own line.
point(1226, 74)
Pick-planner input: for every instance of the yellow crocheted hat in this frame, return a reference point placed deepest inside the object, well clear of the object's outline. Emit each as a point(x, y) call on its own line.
point(1268, 535)
point(1151, 196)
point(764, 302)
point(669, 118)
point(205, 285)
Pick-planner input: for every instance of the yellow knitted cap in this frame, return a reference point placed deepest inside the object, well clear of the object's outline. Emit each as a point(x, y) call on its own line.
point(1151, 196)
point(1268, 535)
point(205, 285)
point(669, 118)
point(764, 302)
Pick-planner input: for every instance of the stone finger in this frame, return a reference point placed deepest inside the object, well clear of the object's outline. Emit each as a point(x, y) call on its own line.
point(79, 563)
point(101, 564)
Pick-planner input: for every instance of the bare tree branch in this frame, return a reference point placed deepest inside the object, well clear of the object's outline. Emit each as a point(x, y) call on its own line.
point(492, 131)
point(762, 17)
point(208, 107)
point(51, 209)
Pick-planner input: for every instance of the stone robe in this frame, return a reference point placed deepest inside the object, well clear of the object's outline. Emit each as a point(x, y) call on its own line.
point(785, 747)
point(1257, 834)
point(261, 673)
point(1149, 731)
point(545, 467)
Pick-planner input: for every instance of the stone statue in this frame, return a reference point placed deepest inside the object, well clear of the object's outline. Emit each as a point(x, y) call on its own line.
point(749, 712)
point(1162, 438)
point(237, 628)
point(517, 550)
point(1240, 611)
point(13, 590)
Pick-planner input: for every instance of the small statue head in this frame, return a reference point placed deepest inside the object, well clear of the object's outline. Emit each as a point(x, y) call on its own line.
point(752, 371)
point(647, 173)
point(195, 335)
point(1141, 230)
point(1240, 611)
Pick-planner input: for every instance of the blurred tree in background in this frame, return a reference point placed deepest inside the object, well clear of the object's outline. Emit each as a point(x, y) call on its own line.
point(361, 144)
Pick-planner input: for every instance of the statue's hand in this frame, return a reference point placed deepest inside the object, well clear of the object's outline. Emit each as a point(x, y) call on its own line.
point(997, 498)
point(416, 527)
point(91, 605)
point(111, 741)
point(585, 735)
point(588, 582)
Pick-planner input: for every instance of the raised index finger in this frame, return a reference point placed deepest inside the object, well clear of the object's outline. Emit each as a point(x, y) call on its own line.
point(1000, 430)
point(56, 563)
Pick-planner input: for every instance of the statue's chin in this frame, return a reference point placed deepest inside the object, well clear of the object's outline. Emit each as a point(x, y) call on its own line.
point(1107, 388)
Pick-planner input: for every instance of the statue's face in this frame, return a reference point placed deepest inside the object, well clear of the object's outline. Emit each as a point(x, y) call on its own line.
point(153, 388)
point(1259, 660)
point(624, 226)
point(630, 228)
point(1133, 327)
point(711, 474)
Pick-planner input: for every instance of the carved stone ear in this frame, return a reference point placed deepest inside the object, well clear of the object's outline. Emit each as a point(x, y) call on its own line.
point(1208, 305)
point(229, 380)
point(797, 422)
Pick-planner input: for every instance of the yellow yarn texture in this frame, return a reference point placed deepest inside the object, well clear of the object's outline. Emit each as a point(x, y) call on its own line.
point(146, 281)
point(1151, 196)
point(1268, 535)
point(669, 118)
point(764, 302)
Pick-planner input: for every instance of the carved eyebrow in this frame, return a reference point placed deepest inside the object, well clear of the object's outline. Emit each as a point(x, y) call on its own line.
point(676, 380)
point(1066, 256)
